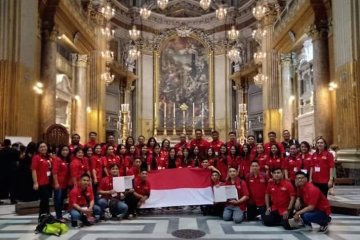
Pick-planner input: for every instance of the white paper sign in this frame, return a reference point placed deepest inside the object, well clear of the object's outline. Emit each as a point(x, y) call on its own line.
point(119, 184)
point(129, 181)
point(223, 193)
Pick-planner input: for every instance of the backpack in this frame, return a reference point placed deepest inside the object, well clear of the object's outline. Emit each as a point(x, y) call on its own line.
point(51, 226)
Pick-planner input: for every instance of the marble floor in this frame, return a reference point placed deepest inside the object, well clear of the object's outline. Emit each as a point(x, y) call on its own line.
point(160, 225)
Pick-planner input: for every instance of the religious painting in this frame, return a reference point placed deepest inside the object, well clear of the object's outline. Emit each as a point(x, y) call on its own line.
point(183, 79)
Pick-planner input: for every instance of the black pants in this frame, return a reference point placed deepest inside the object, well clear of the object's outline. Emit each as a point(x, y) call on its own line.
point(324, 188)
point(132, 202)
point(216, 209)
point(44, 192)
point(253, 211)
point(275, 219)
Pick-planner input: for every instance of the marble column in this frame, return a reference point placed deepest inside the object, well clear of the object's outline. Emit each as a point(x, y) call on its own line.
point(80, 64)
point(48, 78)
point(287, 93)
point(321, 74)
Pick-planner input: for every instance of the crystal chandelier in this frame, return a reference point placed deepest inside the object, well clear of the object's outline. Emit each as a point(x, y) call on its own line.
point(221, 13)
point(233, 34)
point(162, 4)
point(259, 79)
point(107, 11)
point(205, 4)
point(107, 77)
point(233, 54)
point(108, 56)
point(259, 11)
point(108, 33)
point(133, 54)
point(258, 34)
point(134, 33)
point(145, 13)
point(259, 57)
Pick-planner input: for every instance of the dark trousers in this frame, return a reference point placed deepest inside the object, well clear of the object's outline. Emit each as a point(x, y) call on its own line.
point(323, 188)
point(275, 219)
point(132, 202)
point(216, 209)
point(59, 197)
point(253, 211)
point(44, 192)
point(316, 216)
point(95, 191)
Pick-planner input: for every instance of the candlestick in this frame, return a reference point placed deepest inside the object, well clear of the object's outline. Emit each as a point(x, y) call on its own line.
point(174, 111)
point(165, 131)
point(202, 118)
point(164, 111)
point(193, 111)
point(212, 109)
point(174, 121)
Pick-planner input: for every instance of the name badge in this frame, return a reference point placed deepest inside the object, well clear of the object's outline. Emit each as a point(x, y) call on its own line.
point(114, 194)
point(304, 171)
point(295, 169)
point(48, 173)
point(317, 169)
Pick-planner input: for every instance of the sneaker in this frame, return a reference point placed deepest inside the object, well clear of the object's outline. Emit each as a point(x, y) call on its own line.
point(74, 224)
point(130, 216)
point(323, 229)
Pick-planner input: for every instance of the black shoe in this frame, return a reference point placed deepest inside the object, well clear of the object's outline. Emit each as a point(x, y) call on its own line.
point(74, 224)
point(323, 229)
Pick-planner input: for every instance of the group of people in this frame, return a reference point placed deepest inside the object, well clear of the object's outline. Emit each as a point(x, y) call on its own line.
point(276, 180)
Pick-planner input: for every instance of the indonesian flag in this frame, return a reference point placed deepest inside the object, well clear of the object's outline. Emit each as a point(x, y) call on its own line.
point(179, 187)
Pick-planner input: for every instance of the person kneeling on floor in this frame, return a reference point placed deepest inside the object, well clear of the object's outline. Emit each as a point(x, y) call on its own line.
point(109, 197)
point(312, 205)
point(81, 203)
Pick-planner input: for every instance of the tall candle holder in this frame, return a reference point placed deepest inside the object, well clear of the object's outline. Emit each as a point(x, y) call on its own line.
point(202, 118)
point(155, 120)
point(184, 108)
point(125, 125)
point(165, 130)
point(174, 121)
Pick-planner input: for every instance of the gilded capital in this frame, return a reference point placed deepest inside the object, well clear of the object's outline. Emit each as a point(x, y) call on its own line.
point(286, 59)
point(317, 31)
point(79, 60)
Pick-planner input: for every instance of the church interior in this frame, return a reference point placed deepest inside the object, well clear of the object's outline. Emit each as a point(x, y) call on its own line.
point(162, 68)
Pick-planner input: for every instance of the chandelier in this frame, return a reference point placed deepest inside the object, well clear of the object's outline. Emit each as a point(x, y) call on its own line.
point(162, 4)
point(259, 79)
point(145, 13)
point(134, 33)
point(259, 57)
point(133, 54)
point(108, 33)
point(107, 11)
point(258, 34)
point(205, 4)
point(108, 56)
point(221, 13)
point(107, 77)
point(233, 54)
point(259, 11)
point(233, 34)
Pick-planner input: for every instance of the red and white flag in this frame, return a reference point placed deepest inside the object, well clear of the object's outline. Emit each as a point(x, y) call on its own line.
point(179, 187)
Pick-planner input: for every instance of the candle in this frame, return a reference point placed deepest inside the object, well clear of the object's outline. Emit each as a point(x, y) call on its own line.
point(155, 110)
point(164, 111)
point(193, 111)
point(202, 110)
point(174, 111)
point(212, 109)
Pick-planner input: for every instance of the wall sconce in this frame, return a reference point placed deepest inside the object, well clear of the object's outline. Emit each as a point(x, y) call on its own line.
point(332, 86)
point(77, 98)
point(38, 88)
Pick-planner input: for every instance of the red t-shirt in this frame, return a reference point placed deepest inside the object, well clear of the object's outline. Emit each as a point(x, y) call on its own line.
point(307, 162)
point(222, 165)
point(133, 171)
point(42, 167)
point(280, 195)
point(233, 161)
point(262, 159)
point(72, 147)
point(97, 165)
point(242, 190)
point(215, 145)
point(311, 195)
point(275, 162)
point(181, 145)
point(80, 197)
point(91, 144)
point(61, 168)
point(78, 167)
point(267, 147)
point(257, 188)
point(107, 161)
point(292, 165)
point(202, 144)
point(245, 163)
point(322, 163)
point(106, 184)
point(103, 149)
point(252, 152)
point(142, 187)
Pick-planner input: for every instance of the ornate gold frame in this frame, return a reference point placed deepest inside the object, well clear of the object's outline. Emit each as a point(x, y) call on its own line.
point(156, 67)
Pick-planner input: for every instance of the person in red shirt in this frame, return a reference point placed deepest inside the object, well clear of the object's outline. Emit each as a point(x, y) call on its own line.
point(135, 168)
point(110, 141)
point(245, 161)
point(281, 194)
point(182, 144)
point(173, 161)
point(61, 172)
point(186, 160)
point(96, 167)
point(233, 157)
point(222, 162)
point(141, 192)
point(272, 141)
point(109, 159)
point(201, 143)
point(92, 140)
point(234, 209)
point(121, 153)
point(165, 146)
point(216, 143)
point(75, 142)
point(210, 155)
point(232, 142)
point(262, 158)
point(144, 155)
point(275, 159)
point(196, 157)
point(81, 203)
point(156, 162)
point(130, 156)
point(40, 168)
point(109, 197)
point(305, 157)
point(78, 166)
point(151, 144)
point(139, 145)
point(316, 207)
point(323, 160)
point(256, 183)
point(129, 142)
point(292, 164)
point(252, 146)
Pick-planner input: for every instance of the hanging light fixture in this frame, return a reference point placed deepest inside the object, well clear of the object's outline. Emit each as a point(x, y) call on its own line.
point(233, 54)
point(107, 11)
point(260, 10)
point(205, 4)
point(108, 33)
point(134, 33)
point(221, 13)
point(258, 34)
point(162, 4)
point(233, 34)
point(145, 13)
point(133, 54)
point(107, 77)
point(108, 56)
point(259, 57)
point(259, 79)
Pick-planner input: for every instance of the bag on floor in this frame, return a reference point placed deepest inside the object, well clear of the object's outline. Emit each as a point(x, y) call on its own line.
point(51, 226)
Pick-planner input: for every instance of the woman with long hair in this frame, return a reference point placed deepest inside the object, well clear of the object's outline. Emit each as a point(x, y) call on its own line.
point(130, 156)
point(78, 166)
point(233, 157)
point(165, 148)
point(151, 144)
point(186, 160)
point(173, 161)
point(262, 158)
point(109, 159)
point(245, 161)
point(210, 155)
point(275, 159)
point(96, 167)
point(222, 162)
point(196, 157)
point(307, 165)
point(155, 162)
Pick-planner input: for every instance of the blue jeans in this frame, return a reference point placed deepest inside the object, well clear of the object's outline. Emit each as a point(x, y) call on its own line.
point(315, 216)
point(59, 197)
point(117, 208)
point(233, 212)
point(76, 215)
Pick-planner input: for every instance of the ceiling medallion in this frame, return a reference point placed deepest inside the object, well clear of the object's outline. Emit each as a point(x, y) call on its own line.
point(162, 4)
point(205, 4)
point(221, 13)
